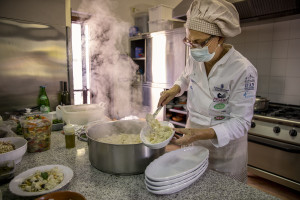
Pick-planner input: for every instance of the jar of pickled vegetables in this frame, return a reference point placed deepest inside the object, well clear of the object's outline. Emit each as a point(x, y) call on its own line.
point(37, 131)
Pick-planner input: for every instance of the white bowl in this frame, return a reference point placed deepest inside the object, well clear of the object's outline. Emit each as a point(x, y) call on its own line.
point(17, 154)
point(146, 129)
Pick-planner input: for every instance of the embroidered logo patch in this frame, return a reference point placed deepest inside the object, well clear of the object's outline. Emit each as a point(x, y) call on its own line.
point(221, 88)
point(219, 106)
point(249, 83)
point(219, 117)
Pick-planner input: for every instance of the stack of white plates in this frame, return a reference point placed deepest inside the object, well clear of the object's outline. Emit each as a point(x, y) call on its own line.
point(176, 170)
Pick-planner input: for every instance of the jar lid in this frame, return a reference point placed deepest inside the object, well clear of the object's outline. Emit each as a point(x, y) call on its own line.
point(69, 128)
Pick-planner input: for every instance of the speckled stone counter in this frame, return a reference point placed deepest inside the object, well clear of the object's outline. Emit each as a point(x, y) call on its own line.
point(96, 185)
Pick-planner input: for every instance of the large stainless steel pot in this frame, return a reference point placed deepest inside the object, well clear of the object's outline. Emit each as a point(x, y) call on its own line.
point(122, 159)
point(261, 104)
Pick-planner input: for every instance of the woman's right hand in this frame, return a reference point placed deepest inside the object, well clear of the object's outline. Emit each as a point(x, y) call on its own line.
point(168, 95)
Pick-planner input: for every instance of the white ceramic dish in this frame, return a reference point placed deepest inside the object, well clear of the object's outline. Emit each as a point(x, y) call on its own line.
point(176, 163)
point(161, 185)
point(145, 130)
point(174, 189)
point(17, 154)
point(14, 184)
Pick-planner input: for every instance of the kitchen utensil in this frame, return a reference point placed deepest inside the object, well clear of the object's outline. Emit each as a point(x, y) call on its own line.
point(124, 159)
point(146, 130)
point(261, 104)
point(150, 117)
point(157, 111)
point(17, 154)
point(14, 184)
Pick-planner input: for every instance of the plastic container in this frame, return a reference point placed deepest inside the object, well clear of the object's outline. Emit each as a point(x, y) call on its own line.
point(161, 25)
point(160, 12)
point(82, 114)
point(37, 131)
point(138, 52)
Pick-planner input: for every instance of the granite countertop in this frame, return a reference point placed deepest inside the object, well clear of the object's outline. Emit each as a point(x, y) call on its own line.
point(96, 185)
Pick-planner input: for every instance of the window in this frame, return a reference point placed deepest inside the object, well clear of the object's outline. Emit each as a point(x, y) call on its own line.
point(81, 62)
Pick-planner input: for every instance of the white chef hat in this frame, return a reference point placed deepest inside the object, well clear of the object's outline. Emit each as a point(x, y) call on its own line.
point(214, 17)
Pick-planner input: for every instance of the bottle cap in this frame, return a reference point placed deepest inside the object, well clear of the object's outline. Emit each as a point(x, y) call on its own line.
point(69, 129)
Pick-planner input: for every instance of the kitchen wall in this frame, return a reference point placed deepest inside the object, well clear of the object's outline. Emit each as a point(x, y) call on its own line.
point(273, 48)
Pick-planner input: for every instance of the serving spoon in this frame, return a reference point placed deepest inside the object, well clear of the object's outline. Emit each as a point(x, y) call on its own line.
point(149, 117)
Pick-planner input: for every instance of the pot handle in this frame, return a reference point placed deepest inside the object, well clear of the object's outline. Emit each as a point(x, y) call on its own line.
point(82, 137)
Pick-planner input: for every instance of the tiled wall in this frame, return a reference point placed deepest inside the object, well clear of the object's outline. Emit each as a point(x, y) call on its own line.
point(274, 49)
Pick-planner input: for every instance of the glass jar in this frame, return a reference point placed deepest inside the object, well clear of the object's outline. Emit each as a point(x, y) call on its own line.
point(37, 131)
point(69, 132)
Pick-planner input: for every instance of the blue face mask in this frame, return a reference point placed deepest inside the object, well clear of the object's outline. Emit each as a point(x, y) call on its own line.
point(202, 54)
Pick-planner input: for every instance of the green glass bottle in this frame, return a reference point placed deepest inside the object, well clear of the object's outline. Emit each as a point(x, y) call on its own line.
point(43, 100)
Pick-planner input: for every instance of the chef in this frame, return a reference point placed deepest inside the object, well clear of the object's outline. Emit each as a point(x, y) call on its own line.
point(221, 85)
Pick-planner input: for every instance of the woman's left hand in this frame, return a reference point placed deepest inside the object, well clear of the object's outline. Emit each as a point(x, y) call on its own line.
point(191, 135)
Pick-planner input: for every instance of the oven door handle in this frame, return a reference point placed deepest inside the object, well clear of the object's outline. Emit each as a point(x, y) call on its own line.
point(273, 143)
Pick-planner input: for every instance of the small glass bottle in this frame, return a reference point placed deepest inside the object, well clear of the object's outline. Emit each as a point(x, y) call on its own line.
point(43, 100)
point(61, 84)
point(69, 136)
point(65, 95)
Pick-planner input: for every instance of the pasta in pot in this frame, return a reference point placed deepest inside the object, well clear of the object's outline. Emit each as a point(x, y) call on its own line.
point(121, 138)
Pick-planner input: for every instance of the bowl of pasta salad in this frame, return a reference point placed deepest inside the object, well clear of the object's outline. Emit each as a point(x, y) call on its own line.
point(41, 180)
point(157, 134)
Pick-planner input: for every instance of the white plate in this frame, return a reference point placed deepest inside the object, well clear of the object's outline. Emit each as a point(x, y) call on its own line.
point(176, 163)
point(176, 188)
point(178, 179)
point(14, 184)
point(153, 187)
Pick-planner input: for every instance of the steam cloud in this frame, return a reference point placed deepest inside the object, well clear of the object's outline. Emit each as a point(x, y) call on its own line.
point(112, 72)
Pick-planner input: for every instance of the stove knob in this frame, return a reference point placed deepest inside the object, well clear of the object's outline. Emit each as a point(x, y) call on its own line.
point(293, 133)
point(253, 124)
point(276, 129)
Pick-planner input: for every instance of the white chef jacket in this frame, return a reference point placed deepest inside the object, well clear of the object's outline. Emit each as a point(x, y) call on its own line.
point(224, 99)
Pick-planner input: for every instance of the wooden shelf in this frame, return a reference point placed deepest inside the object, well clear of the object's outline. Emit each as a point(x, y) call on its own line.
point(178, 111)
point(177, 123)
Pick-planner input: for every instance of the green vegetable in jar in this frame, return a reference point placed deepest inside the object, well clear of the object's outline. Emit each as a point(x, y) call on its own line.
point(57, 121)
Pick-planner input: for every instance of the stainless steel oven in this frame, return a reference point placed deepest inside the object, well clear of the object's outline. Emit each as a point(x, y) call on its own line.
point(274, 145)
